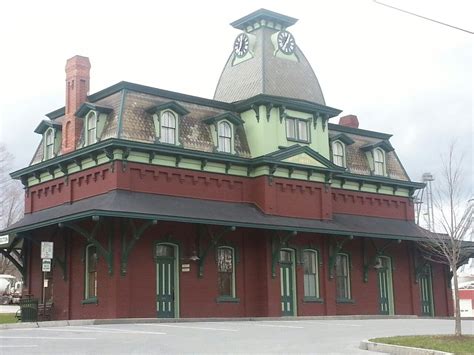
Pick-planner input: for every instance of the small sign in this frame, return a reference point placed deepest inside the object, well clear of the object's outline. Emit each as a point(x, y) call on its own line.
point(185, 267)
point(46, 265)
point(47, 250)
point(4, 239)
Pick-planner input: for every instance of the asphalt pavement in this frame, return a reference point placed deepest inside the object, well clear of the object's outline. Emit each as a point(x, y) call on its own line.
point(226, 337)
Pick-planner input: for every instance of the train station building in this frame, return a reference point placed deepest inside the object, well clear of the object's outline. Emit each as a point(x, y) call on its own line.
point(262, 201)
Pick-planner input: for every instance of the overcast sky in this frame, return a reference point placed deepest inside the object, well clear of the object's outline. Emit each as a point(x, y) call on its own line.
point(399, 74)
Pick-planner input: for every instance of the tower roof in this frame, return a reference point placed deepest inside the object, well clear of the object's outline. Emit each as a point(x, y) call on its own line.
point(265, 70)
point(263, 14)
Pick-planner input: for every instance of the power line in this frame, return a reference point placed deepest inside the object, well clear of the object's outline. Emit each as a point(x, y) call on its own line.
point(423, 17)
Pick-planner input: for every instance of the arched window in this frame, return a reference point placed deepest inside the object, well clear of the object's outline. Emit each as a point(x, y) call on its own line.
point(338, 154)
point(224, 137)
point(379, 162)
point(49, 144)
point(168, 128)
point(343, 277)
point(67, 134)
point(90, 272)
point(91, 128)
point(226, 271)
point(311, 274)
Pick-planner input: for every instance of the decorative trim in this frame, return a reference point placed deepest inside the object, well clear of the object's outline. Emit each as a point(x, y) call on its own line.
point(345, 300)
point(136, 234)
point(279, 241)
point(333, 251)
point(171, 105)
point(309, 299)
point(213, 243)
point(227, 299)
point(91, 237)
point(92, 300)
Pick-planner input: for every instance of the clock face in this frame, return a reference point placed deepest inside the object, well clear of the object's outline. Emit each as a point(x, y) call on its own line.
point(241, 45)
point(286, 42)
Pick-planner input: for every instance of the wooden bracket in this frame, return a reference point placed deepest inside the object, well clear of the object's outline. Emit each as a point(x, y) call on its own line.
point(256, 109)
point(268, 109)
point(278, 242)
point(136, 234)
point(333, 251)
point(91, 237)
point(214, 241)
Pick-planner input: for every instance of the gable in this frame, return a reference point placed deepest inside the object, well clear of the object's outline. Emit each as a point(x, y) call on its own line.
point(304, 159)
point(302, 155)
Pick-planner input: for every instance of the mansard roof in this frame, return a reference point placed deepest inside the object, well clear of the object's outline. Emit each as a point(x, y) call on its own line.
point(129, 118)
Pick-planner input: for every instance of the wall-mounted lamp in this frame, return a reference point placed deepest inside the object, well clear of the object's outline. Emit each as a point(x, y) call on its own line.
point(194, 257)
point(378, 263)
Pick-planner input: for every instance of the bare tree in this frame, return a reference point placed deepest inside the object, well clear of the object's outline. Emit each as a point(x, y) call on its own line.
point(454, 217)
point(11, 198)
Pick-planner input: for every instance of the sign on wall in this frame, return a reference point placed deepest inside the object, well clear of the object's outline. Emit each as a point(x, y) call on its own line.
point(47, 250)
point(4, 239)
point(46, 266)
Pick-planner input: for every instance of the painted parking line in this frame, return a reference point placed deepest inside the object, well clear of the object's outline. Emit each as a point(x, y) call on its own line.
point(279, 326)
point(189, 327)
point(337, 324)
point(92, 330)
point(45, 338)
point(18, 346)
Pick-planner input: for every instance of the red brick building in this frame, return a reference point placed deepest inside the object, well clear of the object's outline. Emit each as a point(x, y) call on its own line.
point(162, 204)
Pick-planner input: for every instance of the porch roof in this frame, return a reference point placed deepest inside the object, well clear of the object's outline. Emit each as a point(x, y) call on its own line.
point(121, 203)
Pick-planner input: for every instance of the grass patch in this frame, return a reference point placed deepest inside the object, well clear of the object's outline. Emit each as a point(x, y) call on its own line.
point(7, 318)
point(448, 343)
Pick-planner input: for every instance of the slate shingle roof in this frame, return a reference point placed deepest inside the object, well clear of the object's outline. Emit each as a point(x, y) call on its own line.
point(268, 74)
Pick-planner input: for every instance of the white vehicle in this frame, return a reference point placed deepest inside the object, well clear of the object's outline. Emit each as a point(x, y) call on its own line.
point(10, 289)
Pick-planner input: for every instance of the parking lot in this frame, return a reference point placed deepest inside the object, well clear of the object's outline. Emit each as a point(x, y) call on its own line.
point(262, 337)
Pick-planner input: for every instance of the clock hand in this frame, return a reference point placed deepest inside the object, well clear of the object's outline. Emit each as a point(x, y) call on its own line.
point(286, 42)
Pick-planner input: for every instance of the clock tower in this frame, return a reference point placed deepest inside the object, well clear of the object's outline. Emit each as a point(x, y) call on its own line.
point(266, 59)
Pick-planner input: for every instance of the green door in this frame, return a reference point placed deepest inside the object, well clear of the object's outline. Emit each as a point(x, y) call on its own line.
point(426, 292)
point(384, 276)
point(287, 283)
point(165, 281)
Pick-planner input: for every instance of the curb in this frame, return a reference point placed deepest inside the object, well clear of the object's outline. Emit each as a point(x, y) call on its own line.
point(398, 349)
point(79, 322)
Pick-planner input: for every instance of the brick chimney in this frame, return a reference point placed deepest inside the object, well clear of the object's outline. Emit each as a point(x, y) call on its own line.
point(77, 88)
point(349, 121)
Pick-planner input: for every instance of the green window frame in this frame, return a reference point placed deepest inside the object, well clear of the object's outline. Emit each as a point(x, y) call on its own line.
point(224, 137)
point(338, 154)
point(90, 273)
point(168, 127)
point(49, 143)
point(311, 274)
point(343, 277)
point(297, 129)
point(379, 162)
point(226, 272)
point(91, 128)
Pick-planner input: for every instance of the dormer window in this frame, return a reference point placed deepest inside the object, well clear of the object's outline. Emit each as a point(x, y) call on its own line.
point(168, 128)
point(91, 128)
point(166, 119)
point(51, 132)
point(95, 118)
point(379, 162)
point(224, 143)
point(49, 143)
point(297, 130)
point(223, 127)
point(338, 154)
point(376, 156)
